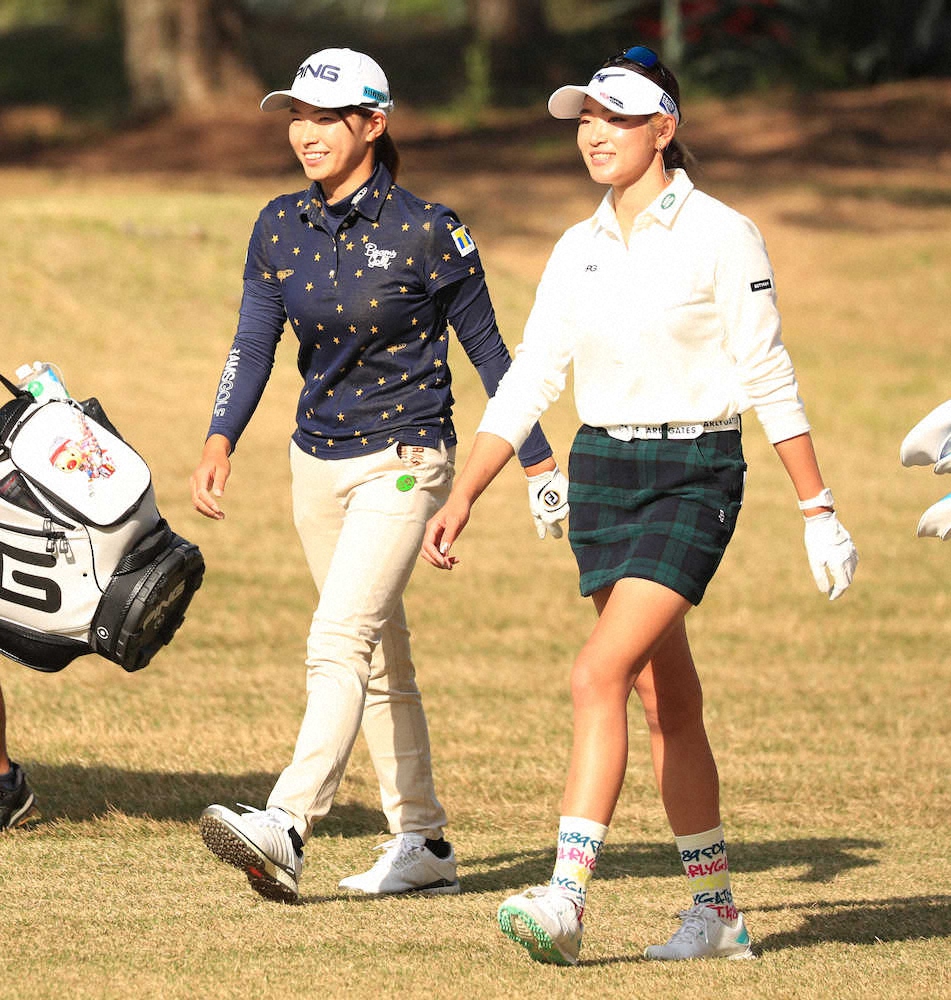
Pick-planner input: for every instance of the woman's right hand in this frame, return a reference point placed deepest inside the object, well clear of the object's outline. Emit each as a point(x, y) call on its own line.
point(208, 480)
point(442, 529)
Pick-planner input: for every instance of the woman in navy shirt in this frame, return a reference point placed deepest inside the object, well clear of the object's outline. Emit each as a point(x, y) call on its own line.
point(369, 277)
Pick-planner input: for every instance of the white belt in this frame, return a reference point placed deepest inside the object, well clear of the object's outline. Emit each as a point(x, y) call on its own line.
point(656, 432)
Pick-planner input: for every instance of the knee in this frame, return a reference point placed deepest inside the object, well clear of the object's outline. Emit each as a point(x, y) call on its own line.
point(594, 683)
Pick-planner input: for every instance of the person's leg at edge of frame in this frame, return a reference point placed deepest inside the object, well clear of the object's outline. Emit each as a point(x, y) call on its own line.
point(17, 801)
point(686, 776)
point(635, 616)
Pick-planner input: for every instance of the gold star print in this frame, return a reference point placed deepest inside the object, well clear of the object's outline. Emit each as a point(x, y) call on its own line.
point(472, 270)
point(275, 238)
point(364, 442)
point(309, 287)
point(409, 261)
point(374, 329)
point(296, 322)
point(427, 226)
point(350, 246)
point(320, 326)
point(339, 308)
point(364, 238)
point(358, 273)
point(296, 251)
point(414, 321)
point(376, 193)
point(266, 275)
point(423, 335)
point(422, 432)
point(376, 225)
point(316, 256)
point(280, 214)
point(399, 407)
point(404, 377)
point(381, 381)
point(336, 340)
point(330, 443)
point(428, 207)
point(385, 415)
point(330, 392)
point(374, 303)
point(445, 256)
point(352, 328)
point(391, 440)
point(359, 392)
point(300, 203)
point(437, 363)
point(403, 289)
point(433, 275)
point(405, 226)
point(423, 386)
point(341, 417)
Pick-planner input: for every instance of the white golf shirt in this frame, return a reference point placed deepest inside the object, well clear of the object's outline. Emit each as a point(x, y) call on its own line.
point(678, 326)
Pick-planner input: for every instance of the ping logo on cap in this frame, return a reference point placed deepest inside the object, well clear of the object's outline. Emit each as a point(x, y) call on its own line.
point(322, 72)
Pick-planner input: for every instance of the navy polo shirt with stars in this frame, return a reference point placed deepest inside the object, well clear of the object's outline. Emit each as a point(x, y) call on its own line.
point(369, 286)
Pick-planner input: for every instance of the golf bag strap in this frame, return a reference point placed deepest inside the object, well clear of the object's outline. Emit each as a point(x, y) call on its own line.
point(15, 389)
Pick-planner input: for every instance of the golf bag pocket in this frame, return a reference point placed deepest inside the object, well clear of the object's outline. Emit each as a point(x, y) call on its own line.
point(78, 464)
point(87, 563)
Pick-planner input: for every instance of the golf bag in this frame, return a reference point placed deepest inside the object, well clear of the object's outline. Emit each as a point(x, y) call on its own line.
point(87, 563)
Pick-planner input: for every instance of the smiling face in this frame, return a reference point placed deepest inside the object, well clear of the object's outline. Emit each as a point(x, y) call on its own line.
point(622, 150)
point(335, 146)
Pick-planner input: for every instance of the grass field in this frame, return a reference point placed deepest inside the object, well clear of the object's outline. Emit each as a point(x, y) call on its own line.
point(830, 721)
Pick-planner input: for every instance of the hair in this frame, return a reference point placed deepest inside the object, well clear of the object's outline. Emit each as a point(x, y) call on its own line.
point(676, 153)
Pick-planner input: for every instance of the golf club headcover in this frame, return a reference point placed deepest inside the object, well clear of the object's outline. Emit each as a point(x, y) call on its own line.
point(929, 441)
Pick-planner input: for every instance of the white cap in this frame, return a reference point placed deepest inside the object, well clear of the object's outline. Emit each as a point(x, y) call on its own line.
point(618, 88)
point(335, 78)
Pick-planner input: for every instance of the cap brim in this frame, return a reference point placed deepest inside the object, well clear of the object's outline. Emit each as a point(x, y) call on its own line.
point(277, 100)
point(566, 102)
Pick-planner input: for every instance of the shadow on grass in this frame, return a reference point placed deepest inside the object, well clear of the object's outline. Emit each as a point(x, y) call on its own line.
point(79, 793)
point(821, 858)
point(863, 921)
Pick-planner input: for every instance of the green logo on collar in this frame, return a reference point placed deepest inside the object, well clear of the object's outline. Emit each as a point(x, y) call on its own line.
point(668, 200)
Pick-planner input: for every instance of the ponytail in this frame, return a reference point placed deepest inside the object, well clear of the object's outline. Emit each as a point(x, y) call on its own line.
point(387, 154)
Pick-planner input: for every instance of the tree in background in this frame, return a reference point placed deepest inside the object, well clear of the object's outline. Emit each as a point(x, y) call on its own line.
point(185, 54)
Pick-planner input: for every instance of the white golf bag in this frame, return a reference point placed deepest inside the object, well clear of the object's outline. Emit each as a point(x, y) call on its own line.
point(87, 563)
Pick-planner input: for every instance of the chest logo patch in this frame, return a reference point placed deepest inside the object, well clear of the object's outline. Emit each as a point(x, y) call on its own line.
point(377, 257)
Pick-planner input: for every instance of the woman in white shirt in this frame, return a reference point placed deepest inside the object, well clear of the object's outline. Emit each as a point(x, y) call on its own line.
point(664, 304)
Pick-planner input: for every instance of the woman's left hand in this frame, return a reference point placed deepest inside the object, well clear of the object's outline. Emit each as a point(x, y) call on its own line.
point(832, 554)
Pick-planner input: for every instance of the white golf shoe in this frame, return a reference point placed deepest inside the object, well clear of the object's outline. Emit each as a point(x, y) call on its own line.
point(407, 865)
point(262, 843)
point(545, 921)
point(703, 935)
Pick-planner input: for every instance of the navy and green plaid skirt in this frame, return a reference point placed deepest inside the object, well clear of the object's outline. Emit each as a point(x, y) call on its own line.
point(661, 510)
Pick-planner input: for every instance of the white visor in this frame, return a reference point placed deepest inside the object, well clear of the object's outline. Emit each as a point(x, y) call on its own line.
point(617, 88)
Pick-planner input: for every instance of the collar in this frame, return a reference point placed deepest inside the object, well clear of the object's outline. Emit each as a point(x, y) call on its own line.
point(367, 201)
point(663, 209)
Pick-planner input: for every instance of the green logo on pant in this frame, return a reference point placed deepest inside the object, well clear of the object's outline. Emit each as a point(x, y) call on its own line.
point(405, 483)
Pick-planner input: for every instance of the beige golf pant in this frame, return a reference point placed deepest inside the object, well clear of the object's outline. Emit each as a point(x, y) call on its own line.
point(361, 522)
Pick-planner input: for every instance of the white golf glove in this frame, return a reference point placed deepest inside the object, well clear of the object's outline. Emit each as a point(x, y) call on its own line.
point(548, 501)
point(832, 555)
